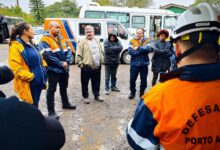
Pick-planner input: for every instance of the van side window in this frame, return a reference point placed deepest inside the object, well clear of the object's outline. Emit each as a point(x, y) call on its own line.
point(95, 14)
point(138, 22)
point(118, 28)
point(122, 17)
point(96, 26)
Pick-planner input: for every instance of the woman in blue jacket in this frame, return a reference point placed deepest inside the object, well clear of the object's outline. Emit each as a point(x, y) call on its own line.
point(161, 57)
point(27, 64)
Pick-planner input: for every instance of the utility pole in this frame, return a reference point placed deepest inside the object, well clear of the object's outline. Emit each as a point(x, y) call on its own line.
point(18, 3)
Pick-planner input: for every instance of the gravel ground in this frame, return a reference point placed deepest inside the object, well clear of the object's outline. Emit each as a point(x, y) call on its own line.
point(98, 125)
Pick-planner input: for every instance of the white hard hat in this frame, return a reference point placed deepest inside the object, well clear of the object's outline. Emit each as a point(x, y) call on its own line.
point(203, 17)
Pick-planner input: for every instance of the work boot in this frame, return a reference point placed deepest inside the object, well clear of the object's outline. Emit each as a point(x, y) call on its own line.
point(69, 106)
point(86, 101)
point(98, 98)
point(115, 89)
point(131, 96)
point(107, 92)
point(53, 115)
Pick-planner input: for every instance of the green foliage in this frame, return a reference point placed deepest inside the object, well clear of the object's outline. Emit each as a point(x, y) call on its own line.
point(216, 2)
point(63, 9)
point(16, 12)
point(129, 3)
point(38, 10)
point(104, 2)
point(138, 3)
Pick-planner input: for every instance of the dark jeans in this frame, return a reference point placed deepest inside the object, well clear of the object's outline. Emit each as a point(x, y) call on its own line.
point(154, 80)
point(35, 93)
point(134, 71)
point(53, 79)
point(155, 77)
point(110, 74)
point(95, 76)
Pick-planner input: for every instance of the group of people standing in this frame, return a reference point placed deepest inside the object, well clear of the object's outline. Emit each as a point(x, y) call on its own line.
point(34, 66)
point(139, 48)
point(90, 56)
point(182, 112)
point(172, 115)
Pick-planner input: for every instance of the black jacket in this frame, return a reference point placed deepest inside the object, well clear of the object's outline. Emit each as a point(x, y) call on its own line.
point(112, 52)
point(161, 57)
point(23, 127)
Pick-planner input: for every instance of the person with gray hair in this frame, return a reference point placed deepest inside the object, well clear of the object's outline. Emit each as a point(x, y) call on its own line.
point(89, 57)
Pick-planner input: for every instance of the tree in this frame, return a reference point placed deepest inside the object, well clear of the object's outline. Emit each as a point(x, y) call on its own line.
point(104, 2)
point(64, 9)
point(215, 2)
point(119, 2)
point(17, 12)
point(129, 3)
point(38, 10)
point(138, 3)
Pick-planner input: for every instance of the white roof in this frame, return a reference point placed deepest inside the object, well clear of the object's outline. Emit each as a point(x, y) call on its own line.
point(127, 9)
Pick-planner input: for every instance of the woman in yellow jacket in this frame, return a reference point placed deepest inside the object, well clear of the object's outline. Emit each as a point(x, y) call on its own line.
point(26, 63)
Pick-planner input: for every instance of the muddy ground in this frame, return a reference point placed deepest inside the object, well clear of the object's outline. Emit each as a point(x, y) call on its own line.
point(98, 125)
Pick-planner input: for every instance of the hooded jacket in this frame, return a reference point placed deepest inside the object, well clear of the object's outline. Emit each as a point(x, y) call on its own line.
point(112, 50)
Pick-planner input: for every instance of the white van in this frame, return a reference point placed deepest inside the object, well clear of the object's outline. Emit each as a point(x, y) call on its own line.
point(152, 20)
point(73, 30)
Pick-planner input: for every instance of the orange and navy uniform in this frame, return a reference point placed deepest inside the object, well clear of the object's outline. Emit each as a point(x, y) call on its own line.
point(55, 52)
point(183, 113)
point(139, 57)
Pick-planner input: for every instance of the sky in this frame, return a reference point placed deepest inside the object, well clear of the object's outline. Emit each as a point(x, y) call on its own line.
point(157, 3)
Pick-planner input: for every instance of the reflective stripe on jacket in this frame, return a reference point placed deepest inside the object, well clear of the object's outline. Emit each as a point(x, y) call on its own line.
point(181, 114)
point(54, 55)
point(139, 57)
